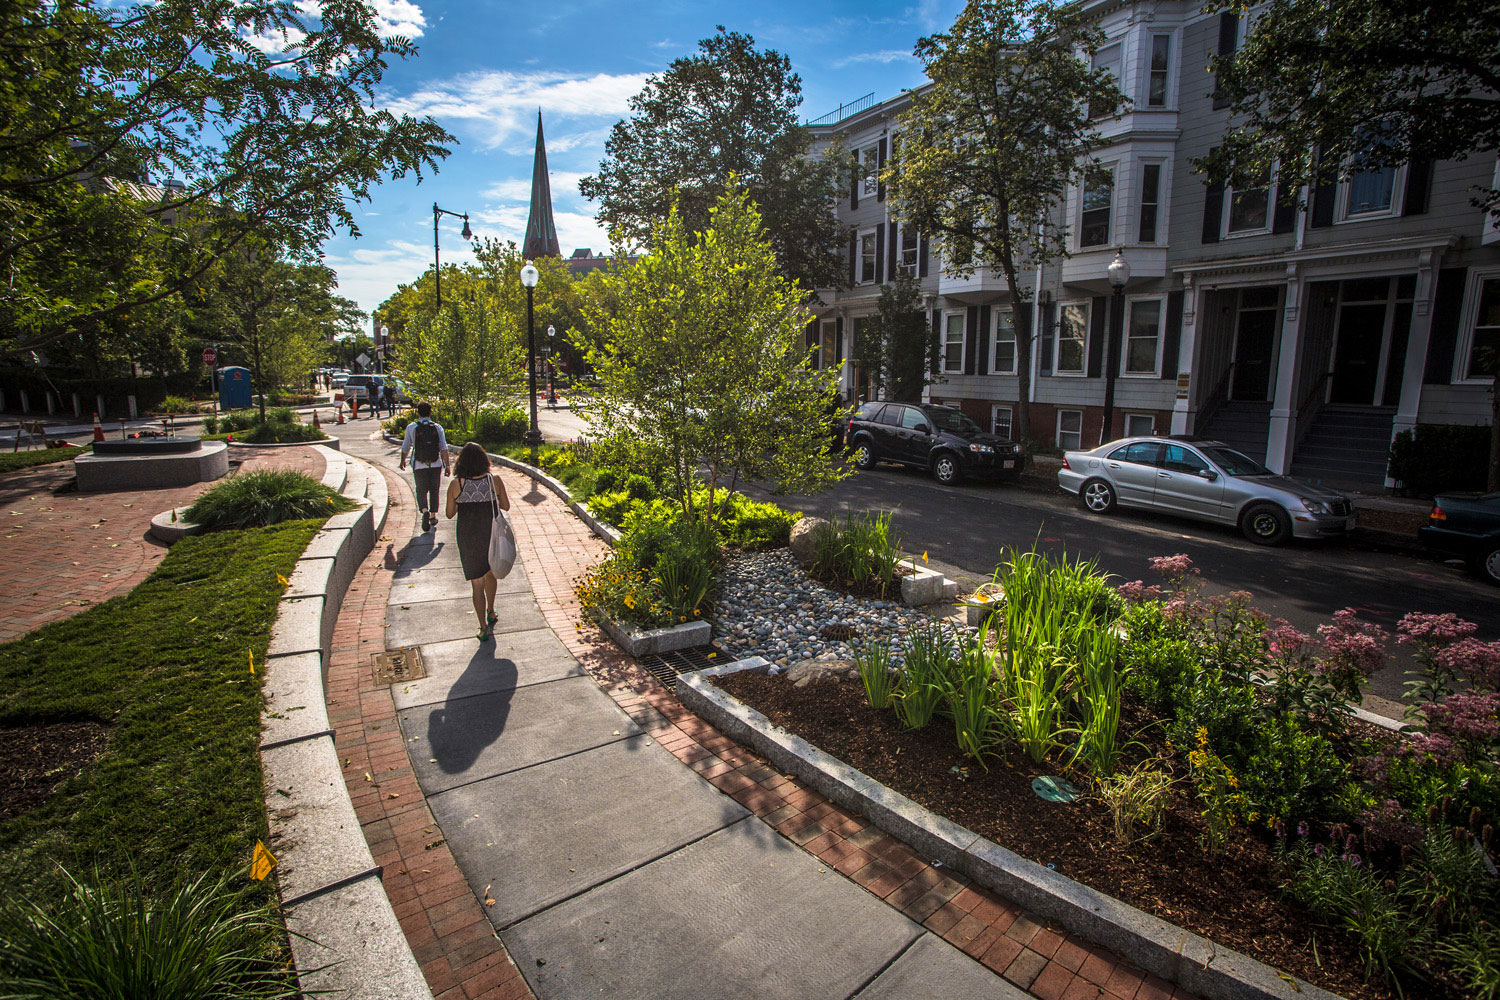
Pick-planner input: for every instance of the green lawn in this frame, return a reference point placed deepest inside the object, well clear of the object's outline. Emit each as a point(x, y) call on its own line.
point(10, 461)
point(177, 789)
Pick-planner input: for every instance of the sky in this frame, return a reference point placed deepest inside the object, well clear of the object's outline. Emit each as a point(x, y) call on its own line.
point(484, 67)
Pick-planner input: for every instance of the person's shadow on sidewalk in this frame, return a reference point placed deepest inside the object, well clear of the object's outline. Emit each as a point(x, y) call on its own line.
point(468, 721)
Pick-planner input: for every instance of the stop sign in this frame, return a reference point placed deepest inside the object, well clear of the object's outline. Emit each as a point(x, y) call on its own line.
point(209, 356)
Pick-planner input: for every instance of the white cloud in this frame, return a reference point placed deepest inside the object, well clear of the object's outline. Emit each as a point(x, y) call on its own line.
point(883, 56)
point(501, 104)
point(399, 17)
point(574, 229)
point(519, 188)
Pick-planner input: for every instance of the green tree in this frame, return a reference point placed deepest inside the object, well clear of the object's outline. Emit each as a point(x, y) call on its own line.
point(96, 94)
point(989, 151)
point(706, 361)
point(730, 110)
point(896, 346)
point(1321, 89)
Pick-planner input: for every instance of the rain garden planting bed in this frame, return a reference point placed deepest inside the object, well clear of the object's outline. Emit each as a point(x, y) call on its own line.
point(1264, 817)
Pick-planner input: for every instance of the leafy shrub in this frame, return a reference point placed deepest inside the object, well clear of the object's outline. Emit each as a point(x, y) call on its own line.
point(255, 499)
point(661, 573)
point(177, 404)
point(1440, 458)
point(1289, 773)
point(498, 426)
point(638, 487)
point(272, 432)
point(615, 589)
point(210, 424)
point(606, 480)
point(198, 939)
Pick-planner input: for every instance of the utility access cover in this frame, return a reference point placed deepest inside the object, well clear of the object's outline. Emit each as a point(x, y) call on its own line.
point(397, 665)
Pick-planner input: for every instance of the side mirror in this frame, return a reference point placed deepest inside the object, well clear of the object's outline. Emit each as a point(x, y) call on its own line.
point(924, 428)
point(1210, 475)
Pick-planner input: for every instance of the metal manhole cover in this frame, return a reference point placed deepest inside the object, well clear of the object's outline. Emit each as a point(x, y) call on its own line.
point(397, 665)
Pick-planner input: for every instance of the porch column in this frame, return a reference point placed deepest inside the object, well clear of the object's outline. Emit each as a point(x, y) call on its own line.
point(1416, 345)
point(1282, 438)
point(1184, 408)
point(846, 366)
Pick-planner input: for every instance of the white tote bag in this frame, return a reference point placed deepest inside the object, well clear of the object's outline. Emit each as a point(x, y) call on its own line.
point(502, 540)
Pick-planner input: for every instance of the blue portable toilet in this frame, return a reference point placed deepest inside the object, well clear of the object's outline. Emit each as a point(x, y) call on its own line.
point(234, 388)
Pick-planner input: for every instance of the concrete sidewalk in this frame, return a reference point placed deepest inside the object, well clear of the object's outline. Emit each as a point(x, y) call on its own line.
point(613, 868)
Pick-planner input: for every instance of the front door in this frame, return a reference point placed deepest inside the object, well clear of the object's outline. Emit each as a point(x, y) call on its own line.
point(1254, 343)
point(1359, 344)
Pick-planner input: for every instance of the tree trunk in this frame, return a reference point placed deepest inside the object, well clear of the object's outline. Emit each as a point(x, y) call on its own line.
point(252, 331)
point(1021, 427)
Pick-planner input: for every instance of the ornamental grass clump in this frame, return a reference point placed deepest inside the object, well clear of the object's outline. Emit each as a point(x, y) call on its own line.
point(257, 499)
point(198, 939)
point(861, 553)
point(927, 662)
point(971, 697)
point(1137, 800)
point(873, 661)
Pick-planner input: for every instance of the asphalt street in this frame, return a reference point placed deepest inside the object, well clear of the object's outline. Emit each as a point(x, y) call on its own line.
point(970, 527)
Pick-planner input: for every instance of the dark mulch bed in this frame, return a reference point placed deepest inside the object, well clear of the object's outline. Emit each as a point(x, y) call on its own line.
point(1231, 899)
point(35, 759)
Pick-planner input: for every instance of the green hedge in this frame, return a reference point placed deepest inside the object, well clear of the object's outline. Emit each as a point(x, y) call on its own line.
point(1441, 458)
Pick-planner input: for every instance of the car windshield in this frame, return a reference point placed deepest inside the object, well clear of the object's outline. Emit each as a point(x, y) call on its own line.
point(952, 420)
point(1236, 464)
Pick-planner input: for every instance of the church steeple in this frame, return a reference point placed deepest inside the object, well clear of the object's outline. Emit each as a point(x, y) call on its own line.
point(541, 231)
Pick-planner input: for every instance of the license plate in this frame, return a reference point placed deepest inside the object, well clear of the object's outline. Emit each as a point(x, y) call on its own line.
point(1010, 463)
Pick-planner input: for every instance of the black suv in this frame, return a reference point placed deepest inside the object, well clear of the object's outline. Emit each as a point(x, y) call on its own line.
point(937, 438)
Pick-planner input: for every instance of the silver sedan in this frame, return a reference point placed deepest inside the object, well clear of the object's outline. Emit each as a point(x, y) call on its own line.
point(1207, 480)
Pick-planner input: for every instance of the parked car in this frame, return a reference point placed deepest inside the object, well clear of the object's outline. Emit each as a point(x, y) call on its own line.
point(1207, 480)
point(366, 387)
point(940, 439)
point(337, 379)
point(1466, 525)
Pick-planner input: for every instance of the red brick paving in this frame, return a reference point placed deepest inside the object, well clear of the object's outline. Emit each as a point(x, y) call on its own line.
point(444, 922)
point(69, 551)
point(1049, 962)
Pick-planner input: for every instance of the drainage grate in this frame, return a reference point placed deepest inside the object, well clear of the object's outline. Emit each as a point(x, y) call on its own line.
point(666, 666)
point(397, 665)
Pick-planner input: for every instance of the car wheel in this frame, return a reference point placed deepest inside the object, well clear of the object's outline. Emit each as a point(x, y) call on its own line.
point(864, 455)
point(1098, 496)
point(1488, 565)
point(946, 470)
point(1266, 524)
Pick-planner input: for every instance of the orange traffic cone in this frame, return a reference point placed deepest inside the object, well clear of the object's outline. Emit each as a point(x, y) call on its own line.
point(98, 429)
point(341, 413)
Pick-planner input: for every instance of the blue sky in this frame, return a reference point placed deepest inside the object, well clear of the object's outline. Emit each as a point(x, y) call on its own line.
point(485, 66)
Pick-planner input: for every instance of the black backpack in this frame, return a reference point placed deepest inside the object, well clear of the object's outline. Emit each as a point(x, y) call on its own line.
point(426, 449)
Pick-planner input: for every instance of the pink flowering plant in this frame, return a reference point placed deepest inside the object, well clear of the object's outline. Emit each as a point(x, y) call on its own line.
point(1431, 637)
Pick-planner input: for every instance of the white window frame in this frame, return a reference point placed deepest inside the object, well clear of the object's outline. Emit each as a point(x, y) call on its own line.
point(1161, 331)
point(1469, 319)
point(1015, 354)
point(870, 158)
point(963, 339)
point(1163, 183)
point(1150, 431)
point(874, 256)
point(1119, 71)
point(1057, 341)
point(1059, 431)
point(1227, 210)
point(1169, 97)
point(1491, 228)
point(1346, 188)
point(1010, 424)
point(916, 251)
point(1114, 205)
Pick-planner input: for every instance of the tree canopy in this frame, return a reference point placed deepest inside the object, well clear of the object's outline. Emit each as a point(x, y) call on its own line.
point(989, 151)
point(896, 346)
point(730, 110)
point(706, 360)
point(265, 108)
point(1360, 84)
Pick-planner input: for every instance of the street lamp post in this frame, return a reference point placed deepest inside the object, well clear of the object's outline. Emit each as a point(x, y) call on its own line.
point(437, 268)
point(529, 278)
point(551, 366)
point(1119, 275)
point(381, 348)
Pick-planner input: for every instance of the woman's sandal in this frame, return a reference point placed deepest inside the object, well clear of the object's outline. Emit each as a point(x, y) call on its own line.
point(485, 633)
point(492, 619)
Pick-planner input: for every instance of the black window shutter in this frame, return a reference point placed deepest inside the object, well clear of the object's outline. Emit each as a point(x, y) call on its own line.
point(1418, 187)
point(880, 160)
point(1213, 209)
point(854, 183)
point(891, 247)
point(971, 338)
point(812, 334)
point(921, 255)
point(1284, 220)
point(879, 254)
point(1229, 34)
point(1049, 320)
point(937, 335)
point(1098, 325)
point(853, 258)
point(982, 366)
point(1172, 336)
point(838, 342)
point(1325, 191)
point(1443, 342)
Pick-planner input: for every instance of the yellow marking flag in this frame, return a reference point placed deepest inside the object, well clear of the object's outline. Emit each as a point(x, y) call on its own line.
point(282, 580)
point(251, 657)
point(261, 862)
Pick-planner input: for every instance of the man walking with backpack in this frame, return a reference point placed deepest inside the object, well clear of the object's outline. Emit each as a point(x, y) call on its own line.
point(428, 446)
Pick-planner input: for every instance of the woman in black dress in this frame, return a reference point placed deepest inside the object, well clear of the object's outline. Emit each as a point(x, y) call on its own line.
point(471, 498)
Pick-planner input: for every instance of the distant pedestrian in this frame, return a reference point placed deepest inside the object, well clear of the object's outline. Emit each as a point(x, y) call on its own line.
point(428, 446)
point(472, 497)
point(389, 395)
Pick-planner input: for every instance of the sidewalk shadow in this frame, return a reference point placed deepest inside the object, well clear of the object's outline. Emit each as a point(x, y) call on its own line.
point(459, 730)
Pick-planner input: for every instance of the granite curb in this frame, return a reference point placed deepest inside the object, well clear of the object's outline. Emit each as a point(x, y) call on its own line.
point(328, 442)
point(347, 938)
point(1152, 944)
